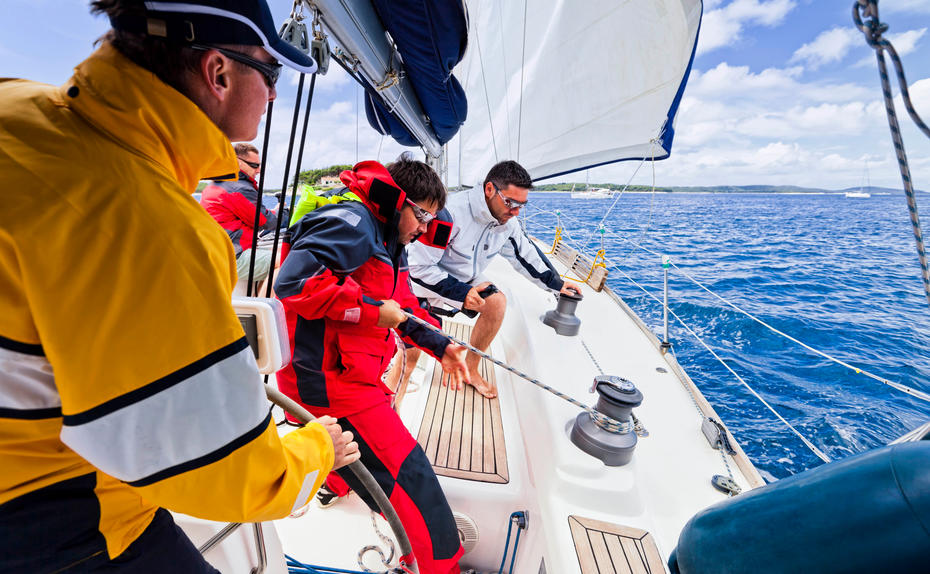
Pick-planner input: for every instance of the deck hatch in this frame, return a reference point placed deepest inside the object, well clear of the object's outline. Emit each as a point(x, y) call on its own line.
point(461, 431)
point(605, 548)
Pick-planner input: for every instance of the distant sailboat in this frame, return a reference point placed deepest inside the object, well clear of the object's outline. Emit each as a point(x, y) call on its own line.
point(863, 190)
point(591, 193)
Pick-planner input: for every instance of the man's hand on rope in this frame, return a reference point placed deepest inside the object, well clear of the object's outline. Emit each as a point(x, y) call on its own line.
point(453, 364)
point(345, 448)
point(390, 315)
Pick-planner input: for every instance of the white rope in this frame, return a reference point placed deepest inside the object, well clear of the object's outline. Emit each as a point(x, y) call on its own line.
point(808, 443)
point(903, 388)
point(619, 195)
point(858, 370)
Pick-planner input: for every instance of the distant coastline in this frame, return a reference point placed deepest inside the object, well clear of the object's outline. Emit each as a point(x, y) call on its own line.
point(783, 189)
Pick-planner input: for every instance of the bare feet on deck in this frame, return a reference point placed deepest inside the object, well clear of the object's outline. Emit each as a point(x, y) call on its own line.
point(486, 389)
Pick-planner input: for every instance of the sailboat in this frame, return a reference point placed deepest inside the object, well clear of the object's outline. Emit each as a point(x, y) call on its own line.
point(863, 191)
point(538, 481)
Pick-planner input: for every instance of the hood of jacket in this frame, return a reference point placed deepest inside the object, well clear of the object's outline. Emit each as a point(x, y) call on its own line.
point(150, 117)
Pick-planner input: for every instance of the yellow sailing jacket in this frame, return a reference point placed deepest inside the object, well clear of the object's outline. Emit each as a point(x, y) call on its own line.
point(121, 359)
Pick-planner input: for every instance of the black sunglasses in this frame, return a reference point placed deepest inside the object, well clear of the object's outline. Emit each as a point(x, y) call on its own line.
point(270, 71)
point(251, 164)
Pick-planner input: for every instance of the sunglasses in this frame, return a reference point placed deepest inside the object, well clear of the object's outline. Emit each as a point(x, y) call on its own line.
point(270, 71)
point(251, 164)
point(510, 203)
point(421, 214)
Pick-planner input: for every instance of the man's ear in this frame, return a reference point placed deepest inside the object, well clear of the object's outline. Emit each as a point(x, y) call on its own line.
point(489, 190)
point(215, 70)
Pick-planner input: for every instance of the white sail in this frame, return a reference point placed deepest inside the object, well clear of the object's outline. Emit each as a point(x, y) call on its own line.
point(561, 86)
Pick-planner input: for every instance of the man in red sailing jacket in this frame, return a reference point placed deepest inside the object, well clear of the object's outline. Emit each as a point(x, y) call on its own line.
point(232, 204)
point(343, 283)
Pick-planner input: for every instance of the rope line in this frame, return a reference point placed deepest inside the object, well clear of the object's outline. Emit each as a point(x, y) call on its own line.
point(858, 370)
point(903, 388)
point(607, 423)
point(808, 443)
point(873, 30)
point(619, 195)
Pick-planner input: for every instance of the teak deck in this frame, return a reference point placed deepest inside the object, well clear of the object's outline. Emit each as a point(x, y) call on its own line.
point(605, 548)
point(461, 430)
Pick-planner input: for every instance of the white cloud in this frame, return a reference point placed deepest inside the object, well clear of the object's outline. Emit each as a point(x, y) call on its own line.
point(331, 140)
point(829, 47)
point(335, 79)
point(724, 26)
point(899, 6)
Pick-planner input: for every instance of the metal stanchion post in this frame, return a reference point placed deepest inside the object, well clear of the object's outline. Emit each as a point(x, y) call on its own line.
point(665, 346)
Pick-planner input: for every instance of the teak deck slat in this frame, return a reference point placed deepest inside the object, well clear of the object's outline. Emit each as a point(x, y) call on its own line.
point(462, 432)
point(603, 547)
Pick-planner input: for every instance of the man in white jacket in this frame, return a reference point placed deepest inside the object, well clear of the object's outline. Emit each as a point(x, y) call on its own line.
point(484, 225)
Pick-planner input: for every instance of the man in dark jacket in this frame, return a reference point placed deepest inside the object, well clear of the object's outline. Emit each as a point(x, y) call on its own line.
point(232, 204)
point(343, 283)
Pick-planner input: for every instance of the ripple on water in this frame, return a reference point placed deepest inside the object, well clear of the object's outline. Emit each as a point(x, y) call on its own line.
point(842, 276)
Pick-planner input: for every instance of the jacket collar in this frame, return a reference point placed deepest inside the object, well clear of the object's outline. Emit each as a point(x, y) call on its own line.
point(245, 177)
point(133, 107)
point(479, 206)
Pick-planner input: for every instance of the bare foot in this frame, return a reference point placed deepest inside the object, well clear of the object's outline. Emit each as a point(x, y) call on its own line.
point(486, 389)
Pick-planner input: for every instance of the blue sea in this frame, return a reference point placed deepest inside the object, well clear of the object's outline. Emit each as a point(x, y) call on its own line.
point(839, 274)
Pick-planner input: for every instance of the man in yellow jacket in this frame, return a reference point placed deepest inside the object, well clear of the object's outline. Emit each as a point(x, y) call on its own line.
point(127, 386)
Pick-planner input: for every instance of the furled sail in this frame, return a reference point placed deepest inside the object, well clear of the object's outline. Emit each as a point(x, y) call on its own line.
point(561, 85)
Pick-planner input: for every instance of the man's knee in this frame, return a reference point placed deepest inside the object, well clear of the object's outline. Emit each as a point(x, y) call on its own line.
point(495, 305)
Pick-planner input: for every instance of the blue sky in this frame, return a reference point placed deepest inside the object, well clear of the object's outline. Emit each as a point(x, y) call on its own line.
point(782, 92)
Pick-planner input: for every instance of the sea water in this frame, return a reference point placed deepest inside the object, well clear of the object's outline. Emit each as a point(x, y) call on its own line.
point(837, 273)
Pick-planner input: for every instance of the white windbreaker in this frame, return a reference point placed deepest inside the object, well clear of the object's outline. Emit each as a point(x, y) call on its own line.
point(444, 277)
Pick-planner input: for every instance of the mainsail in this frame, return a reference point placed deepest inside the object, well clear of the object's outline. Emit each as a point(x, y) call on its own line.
point(557, 85)
point(562, 86)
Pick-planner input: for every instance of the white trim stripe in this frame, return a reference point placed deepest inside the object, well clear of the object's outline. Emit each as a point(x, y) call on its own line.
point(26, 382)
point(198, 9)
point(306, 489)
point(171, 428)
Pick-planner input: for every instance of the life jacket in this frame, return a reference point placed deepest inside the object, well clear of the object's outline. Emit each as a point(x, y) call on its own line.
point(372, 184)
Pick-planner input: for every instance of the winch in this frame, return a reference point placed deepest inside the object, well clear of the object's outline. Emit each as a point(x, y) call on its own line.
point(618, 397)
point(563, 318)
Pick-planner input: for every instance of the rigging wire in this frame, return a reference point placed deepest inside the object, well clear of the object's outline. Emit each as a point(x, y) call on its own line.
point(487, 100)
point(873, 30)
point(258, 204)
point(619, 195)
point(287, 168)
point(303, 140)
point(804, 439)
point(903, 388)
point(522, 73)
point(858, 370)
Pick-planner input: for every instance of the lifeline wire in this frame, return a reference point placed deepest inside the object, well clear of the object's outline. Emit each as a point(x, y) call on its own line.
point(897, 386)
point(629, 181)
point(873, 31)
point(603, 421)
point(808, 443)
point(903, 388)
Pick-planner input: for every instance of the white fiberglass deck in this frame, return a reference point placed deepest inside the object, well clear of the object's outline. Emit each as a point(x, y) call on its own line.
point(667, 481)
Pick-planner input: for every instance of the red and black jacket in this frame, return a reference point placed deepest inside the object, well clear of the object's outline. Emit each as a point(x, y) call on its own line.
point(341, 261)
point(232, 205)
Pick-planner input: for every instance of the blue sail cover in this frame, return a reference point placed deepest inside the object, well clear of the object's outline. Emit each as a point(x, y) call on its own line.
point(431, 38)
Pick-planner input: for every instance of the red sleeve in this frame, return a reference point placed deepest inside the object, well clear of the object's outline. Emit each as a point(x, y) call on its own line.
point(242, 208)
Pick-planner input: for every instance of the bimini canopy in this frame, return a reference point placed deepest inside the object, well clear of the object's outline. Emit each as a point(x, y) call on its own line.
point(562, 86)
